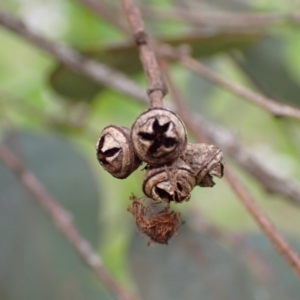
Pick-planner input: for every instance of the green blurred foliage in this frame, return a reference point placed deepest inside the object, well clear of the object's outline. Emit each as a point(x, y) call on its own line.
point(56, 139)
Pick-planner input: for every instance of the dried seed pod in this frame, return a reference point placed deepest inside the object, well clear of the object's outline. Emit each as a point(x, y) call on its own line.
point(205, 161)
point(160, 226)
point(158, 136)
point(115, 152)
point(169, 183)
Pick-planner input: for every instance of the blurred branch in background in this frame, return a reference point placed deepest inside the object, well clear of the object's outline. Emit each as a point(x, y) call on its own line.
point(94, 70)
point(271, 181)
point(275, 108)
point(63, 220)
point(222, 19)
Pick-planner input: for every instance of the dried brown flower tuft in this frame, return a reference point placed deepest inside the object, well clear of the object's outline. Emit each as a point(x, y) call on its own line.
point(159, 226)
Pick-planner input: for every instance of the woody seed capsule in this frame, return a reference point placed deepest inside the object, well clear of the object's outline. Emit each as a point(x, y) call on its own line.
point(158, 136)
point(115, 152)
point(205, 160)
point(169, 183)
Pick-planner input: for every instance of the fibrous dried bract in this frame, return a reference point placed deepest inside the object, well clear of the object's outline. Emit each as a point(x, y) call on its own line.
point(158, 226)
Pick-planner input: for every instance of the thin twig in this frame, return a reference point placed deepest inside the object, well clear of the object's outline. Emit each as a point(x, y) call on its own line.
point(62, 220)
point(99, 73)
point(156, 86)
point(244, 196)
point(271, 105)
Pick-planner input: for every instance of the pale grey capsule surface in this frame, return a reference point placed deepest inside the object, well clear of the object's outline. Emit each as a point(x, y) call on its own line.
point(115, 151)
point(169, 183)
point(158, 136)
point(205, 160)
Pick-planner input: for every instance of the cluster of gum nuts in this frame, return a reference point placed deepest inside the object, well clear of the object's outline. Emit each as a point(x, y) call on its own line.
point(158, 138)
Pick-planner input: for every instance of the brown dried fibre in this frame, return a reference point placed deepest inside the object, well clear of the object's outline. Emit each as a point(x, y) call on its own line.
point(159, 226)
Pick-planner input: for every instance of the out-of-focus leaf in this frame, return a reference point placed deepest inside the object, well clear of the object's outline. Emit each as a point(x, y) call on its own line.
point(125, 58)
point(196, 266)
point(274, 277)
point(36, 261)
point(193, 266)
point(264, 64)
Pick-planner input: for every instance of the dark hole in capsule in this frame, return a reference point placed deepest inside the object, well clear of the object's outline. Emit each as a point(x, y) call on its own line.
point(158, 137)
point(103, 155)
point(176, 197)
point(111, 152)
point(100, 145)
point(163, 194)
point(156, 144)
point(160, 128)
point(179, 186)
point(169, 142)
point(222, 170)
point(146, 136)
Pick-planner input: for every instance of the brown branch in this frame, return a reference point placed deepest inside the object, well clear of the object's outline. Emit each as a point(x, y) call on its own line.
point(156, 86)
point(99, 73)
point(271, 232)
point(61, 218)
point(271, 105)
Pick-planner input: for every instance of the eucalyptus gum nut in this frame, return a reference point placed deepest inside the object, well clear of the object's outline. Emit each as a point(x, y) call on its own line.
point(115, 151)
point(205, 160)
point(169, 183)
point(158, 136)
